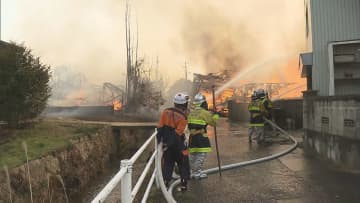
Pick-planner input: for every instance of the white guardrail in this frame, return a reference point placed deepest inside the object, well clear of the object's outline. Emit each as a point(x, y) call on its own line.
point(125, 174)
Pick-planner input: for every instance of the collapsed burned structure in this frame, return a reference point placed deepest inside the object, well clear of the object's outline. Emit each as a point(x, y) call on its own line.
point(205, 83)
point(148, 97)
point(240, 93)
point(74, 95)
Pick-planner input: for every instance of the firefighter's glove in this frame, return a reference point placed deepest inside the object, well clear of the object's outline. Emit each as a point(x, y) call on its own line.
point(185, 152)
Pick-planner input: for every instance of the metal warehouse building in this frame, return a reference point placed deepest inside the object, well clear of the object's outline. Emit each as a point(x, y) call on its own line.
point(332, 68)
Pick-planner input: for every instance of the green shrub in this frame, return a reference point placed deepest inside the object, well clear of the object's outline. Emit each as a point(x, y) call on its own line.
point(24, 84)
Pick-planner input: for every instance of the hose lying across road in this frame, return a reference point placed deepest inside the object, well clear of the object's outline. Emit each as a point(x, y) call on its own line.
point(245, 163)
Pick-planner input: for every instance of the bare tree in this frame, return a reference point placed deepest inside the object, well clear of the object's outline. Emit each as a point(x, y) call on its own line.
point(128, 57)
point(139, 86)
point(133, 64)
point(131, 72)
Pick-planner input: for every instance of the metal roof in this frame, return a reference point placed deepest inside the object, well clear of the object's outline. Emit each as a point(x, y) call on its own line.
point(307, 59)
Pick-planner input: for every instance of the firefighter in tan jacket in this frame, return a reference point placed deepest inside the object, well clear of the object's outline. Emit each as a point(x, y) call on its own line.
point(199, 143)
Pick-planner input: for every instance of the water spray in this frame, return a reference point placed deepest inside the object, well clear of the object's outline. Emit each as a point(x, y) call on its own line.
point(249, 70)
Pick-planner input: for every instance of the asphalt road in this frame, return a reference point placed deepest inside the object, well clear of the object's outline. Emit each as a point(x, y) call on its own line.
point(294, 178)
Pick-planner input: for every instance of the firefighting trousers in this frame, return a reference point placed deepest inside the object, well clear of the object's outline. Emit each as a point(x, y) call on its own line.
point(197, 160)
point(172, 156)
point(256, 132)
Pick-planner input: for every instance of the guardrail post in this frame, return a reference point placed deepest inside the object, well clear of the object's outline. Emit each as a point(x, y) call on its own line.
point(126, 184)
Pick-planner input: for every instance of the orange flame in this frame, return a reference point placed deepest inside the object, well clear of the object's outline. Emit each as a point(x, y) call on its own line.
point(77, 98)
point(288, 72)
point(219, 100)
point(293, 75)
point(117, 105)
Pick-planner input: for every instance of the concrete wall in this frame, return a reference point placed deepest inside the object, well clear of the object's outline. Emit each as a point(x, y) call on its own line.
point(238, 111)
point(283, 110)
point(332, 128)
point(333, 115)
point(79, 166)
point(286, 109)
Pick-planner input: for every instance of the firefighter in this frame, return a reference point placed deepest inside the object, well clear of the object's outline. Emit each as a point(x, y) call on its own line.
point(199, 143)
point(257, 112)
point(171, 128)
point(264, 96)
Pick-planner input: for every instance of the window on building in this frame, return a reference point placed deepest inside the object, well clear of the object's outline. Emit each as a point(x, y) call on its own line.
point(346, 68)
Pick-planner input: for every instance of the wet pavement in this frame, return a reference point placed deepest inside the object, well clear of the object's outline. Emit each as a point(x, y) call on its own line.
point(294, 178)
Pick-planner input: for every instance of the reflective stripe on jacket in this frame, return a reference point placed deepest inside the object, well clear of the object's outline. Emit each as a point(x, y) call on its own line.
point(257, 111)
point(267, 106)
point(198, 120)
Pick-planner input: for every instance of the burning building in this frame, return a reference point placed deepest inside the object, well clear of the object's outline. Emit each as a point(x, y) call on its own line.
point(205, 83)
point(233, 99)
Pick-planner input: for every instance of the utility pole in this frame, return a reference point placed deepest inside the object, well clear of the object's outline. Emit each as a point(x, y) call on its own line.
point(157, 69)
point(186, 70)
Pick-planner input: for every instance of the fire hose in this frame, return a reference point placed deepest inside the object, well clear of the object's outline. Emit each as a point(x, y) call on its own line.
point(244, 163)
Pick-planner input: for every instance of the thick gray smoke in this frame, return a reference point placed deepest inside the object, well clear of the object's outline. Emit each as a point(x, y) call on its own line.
point(84, 35)
point(237, 34)
point(183, 86)
point(89, 36)
point(71, 88)
point(217, 42)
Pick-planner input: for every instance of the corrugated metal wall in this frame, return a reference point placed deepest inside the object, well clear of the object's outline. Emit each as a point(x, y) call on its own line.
point(332, 20)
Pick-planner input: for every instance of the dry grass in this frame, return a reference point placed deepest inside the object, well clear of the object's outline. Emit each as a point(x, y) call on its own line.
point(8, 183)
point(63, 185)
point(28, 170)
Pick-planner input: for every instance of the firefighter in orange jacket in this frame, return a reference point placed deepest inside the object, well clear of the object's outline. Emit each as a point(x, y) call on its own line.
point(171, 128)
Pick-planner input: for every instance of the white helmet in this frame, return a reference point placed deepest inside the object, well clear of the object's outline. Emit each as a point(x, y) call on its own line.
point(199, 99)
point(181, 98)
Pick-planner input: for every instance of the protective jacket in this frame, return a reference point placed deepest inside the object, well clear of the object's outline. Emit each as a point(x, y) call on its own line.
point(171, 127)
point(198, 120)
point(267, 106)
point(171, 132)
point(257, 111)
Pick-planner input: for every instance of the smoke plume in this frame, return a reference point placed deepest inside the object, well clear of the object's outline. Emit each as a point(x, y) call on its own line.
point(210, 35)
point(212, 39)
point(237, 34)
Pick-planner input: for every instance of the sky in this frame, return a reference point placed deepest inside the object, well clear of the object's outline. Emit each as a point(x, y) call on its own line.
point(88, 36)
